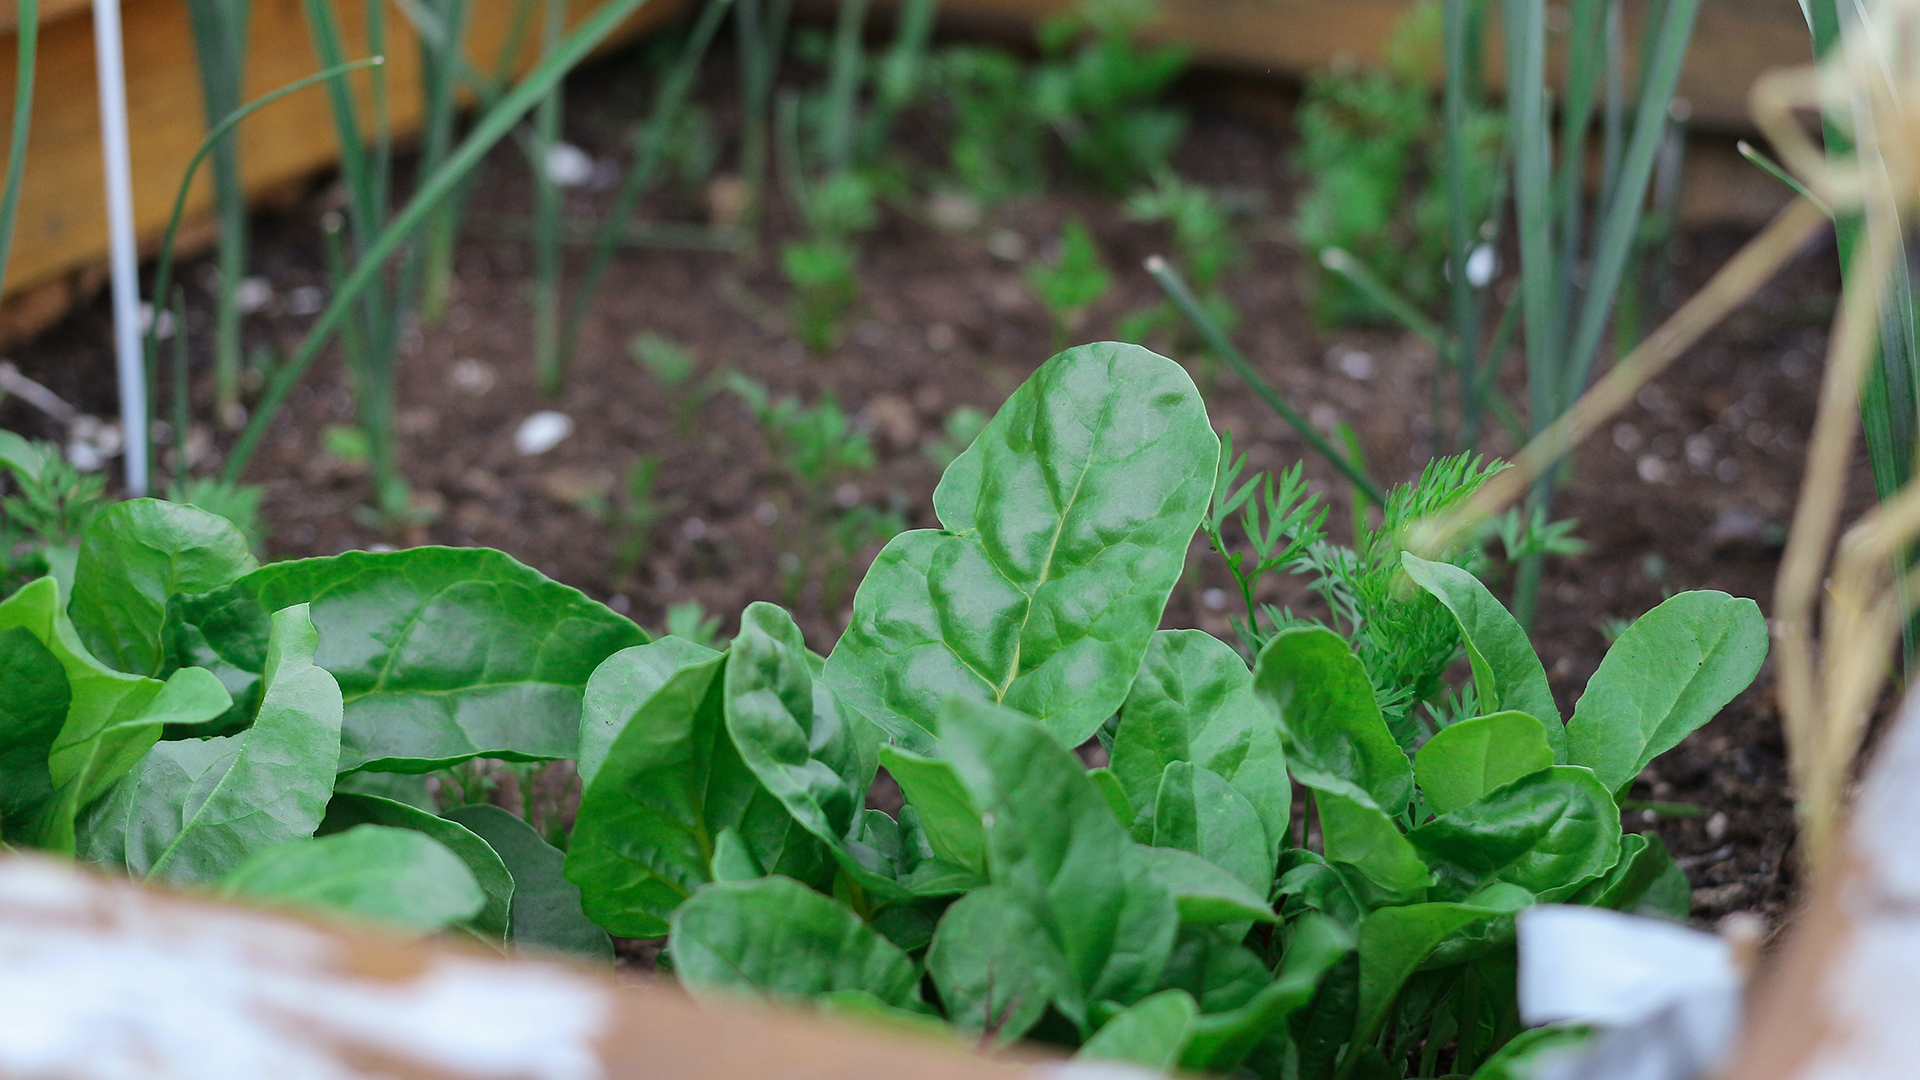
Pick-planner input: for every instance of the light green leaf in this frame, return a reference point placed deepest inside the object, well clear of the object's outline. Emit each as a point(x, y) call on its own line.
point(1205, 894)
point(620, 685)
point(945, 810)
point(1194, 701)
point(1221, 1041)
point(546, 906)
point(996, 967)
point(1506, 672)
point(1152, 1033)
point(349, 809)
point(1549, 832)
point(1067, 525)
point(779, 938)
point(1464, 761)
point(21, 456)
point(443, 654)
point(1669, 673)
point(32, 710)
point(1114, 793)
point(1360, 836)
point(1052, 840)
point(136, 556)
point(1336, 739)
point(403, 879)
point(1197, 810)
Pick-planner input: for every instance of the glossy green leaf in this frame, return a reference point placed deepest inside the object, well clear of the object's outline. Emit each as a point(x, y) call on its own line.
point(1212, 964)
point(995, 965)
point(350, 809)
point(403, 879)
point(644, 837)
point(1153, 1033)
point(1194, 701)
point(620, 685)
point(1221, 1041)
point(945, 810)
point(1360, 836)
point(1197, 810)
point(1522, 1057)
point(1052, 840)
point(1066, 527)
point(1336, 739)
point(32, 710)
point(193, 811)
point(112, 719)
point(443, 654)
point(1205, 894)
point(1464, 761)
point(1549, 833)
point(136, 556)
point(1506, 672)
point(777, 937)
point(1645, 881)
point(1394, 940)
point(1669, 673)
point(546, 906)
point(732, 859)
point(1116, 795)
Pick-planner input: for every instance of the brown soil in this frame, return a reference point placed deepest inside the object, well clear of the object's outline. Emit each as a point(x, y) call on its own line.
point(1690, 489)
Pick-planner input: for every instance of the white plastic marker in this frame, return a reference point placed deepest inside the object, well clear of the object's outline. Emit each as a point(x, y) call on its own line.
point(111, 65)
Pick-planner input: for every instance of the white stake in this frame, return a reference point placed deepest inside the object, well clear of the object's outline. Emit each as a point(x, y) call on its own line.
point(111, 65)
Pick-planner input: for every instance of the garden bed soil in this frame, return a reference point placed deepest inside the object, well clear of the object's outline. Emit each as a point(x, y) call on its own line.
point(1690, 489)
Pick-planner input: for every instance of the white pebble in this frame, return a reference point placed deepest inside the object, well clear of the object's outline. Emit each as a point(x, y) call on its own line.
point(1482, 265)
point(252, 294)
point(1214, 599)
point(542, 432)
point(569, 166)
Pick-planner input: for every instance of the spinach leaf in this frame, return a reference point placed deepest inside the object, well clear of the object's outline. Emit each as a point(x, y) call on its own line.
point(1197, 810)
point(994, 964)
point(1066, 527)
point(1549, 832)
point(1464, 761)
point(443, 654)
point(778, 937)
point(31, 713)
point(1336, 740)
point(349, 809)
point(1194, 701)
point(942, 807)
point(136, 556)
point(1054, 843)
point(1358, 835)
point(1669, 673)
point(1506, 672)
point(1220, 1041)
point(1152, 1033)
point(1204, 893)
point(194, 810)
point(1645, 881)
point(1522, 1057)
point(620, 685)
point(404, 879)
point(546, 906)
point(1394, 940)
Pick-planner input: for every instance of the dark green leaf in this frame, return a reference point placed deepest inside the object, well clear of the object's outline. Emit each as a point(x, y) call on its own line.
point(1466, 760)
point(1205, 894)
point(136, 556)
point(348, 809)
point(996, 967)
point(404, 879)
point(1357, 835)
point(32, 710)
point(1644, 882)
point(1672, 670)
point(732, 859)
point(1335, 737)
point(945, 810)
point(546, 906)
point(1152, 1033)
point(1197, 810)
point(443, 654)
point(1210, 963)
point(1521, 1057)
point(1194, 701)
point(1394, 941)
point(1549, 833)
point(1506, 673)
point(1221, 1041)
point(1068, 522)
point(620, 685)
point(775, 936)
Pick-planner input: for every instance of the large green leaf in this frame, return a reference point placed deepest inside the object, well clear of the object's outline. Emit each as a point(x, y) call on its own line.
point(1549, 832)
point(1066, 527)
point(32, 709)
point(1053, 841)
point(135, 557)
point(1194, 701)
point(1205, 894)
point(349, 809)
point(1358, 835)
point(941, 803)
point(1672, 670)
point(1214, 965)
point(192, 811)
point(1645, 881)
point(1465, 760)
point(112, 719)
point(443, 654)
point(1506, 672)
point(775, 936)
point(1221, 1041)
point(996, 967)
point(1197, 810)
point(1394, 941)
point(649, 822)
point(401, 878)
point(546, 906)
point(620, 685)
point(1522, 1057)
point(1152, 1033)
point(1336, 739)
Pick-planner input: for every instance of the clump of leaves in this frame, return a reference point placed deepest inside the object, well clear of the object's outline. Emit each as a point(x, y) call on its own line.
point(676, 368)
point(998, 146)
point(53, 502)
point(1204, 248)
point(1071, 282)
point(635, 515)
point(690, 621)
point(1100, 90)
point(957, 432)
point(825, 289)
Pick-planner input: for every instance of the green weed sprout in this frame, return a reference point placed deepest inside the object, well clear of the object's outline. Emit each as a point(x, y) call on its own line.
point(957, 432)
point(689, 621)
point(1072, 282)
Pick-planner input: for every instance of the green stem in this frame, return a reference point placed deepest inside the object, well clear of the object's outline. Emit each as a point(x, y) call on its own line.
point(23, 74)
point(546, 218)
